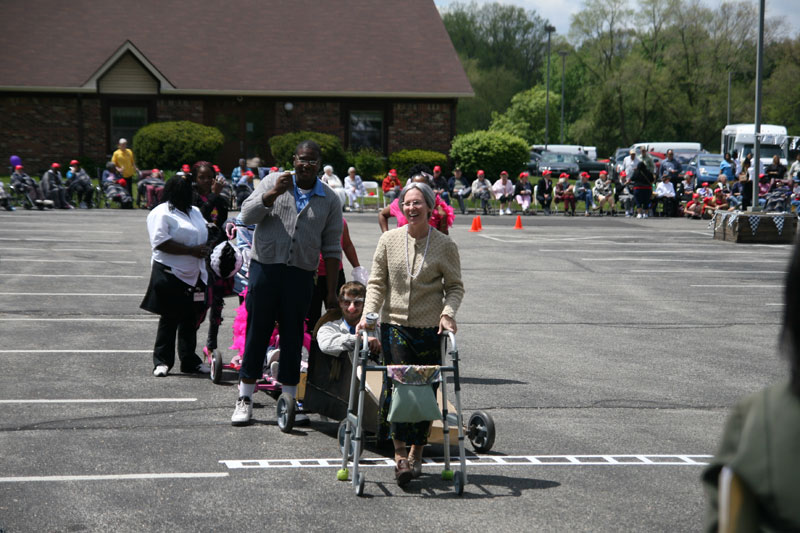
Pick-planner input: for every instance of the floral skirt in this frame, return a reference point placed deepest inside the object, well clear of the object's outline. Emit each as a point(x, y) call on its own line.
point(407, 346)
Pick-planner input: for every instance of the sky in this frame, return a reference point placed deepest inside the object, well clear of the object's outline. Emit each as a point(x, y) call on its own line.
point(559, 12)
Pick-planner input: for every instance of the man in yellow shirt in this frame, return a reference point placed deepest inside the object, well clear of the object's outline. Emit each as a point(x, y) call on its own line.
point(125, 163)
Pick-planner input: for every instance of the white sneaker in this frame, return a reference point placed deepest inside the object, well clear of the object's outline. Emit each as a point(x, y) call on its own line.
point(273, 369)
point(501, 213)
point(645, 215)
point(242, 412)
point(508, 211)
point(161, 371)
point(639, 215)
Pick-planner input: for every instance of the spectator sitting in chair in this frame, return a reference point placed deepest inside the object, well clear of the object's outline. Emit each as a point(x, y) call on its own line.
point(544, 191)
point(583, 191)
point(244, 186)
point(391, 186)
point(151, 187)
point(665, 195)
point(27, 186)
point(80, 184)
point(482, 190)
point(504, 191)
point(685, 188)
point(458, 186)
point(115, 187)
point(604, 192)
point(354, 187)
point(778, 197)
point(53, 187)
point(564, 192)
point(626, 194)
point(795, 196)
point(695, 206)
point(440, 185)
point(523, 192)
point(775, 170)
point(717, 203)
point(764, 187)
point(336, 330)
point(238, 172)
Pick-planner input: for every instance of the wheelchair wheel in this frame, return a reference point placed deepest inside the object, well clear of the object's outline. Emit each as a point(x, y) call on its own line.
point(285, 411)
point(216, 367)
point(480, 431)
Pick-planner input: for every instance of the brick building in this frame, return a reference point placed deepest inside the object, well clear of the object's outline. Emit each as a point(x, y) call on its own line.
point(76, 76)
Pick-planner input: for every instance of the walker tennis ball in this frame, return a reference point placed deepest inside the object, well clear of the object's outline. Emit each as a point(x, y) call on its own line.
point(447, 475)
point(342, 474)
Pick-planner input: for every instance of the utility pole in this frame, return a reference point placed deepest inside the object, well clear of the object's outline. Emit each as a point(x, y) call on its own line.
point(563, 54)
point(757, 136)
point(549, 29)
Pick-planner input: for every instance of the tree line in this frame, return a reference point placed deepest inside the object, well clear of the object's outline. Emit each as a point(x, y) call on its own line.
point(651, 70)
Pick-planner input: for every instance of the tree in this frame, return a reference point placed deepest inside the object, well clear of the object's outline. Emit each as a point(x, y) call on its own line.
point(526, 116)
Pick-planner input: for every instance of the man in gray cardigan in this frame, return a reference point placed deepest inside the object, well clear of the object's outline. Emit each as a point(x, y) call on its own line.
point(297, 217)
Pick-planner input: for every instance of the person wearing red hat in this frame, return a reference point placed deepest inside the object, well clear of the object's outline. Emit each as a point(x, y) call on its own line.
point(764, 186)
point(482, 190)
point(544, 191)
point(694, 207)
point(391, 186)
point(24, 184)
point(151, 187)
point(440, 184)
point(625, 194)
point(53, 187)
point(114, 190)
point(503, 191)
point(685, 189)
point(564, 192)
point(603, 193)
point(523, 192)
point(583, 191)
point(79, 183)
point(126, 164)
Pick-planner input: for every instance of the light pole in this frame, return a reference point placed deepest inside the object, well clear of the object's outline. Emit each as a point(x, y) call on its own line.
point(549, 29)
point(757, 131)
point(729, 97)
point(563, 54)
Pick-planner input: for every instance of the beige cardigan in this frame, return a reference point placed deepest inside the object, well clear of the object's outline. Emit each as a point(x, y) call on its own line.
point(420, 302)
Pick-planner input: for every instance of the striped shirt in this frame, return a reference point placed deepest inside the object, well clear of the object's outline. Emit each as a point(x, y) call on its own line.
point(284, 236)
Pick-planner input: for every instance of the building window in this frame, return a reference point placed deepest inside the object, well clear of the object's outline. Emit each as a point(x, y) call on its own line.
point(366, 130)
point(125, 122)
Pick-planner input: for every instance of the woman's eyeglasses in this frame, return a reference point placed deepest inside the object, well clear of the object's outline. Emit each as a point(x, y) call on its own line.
point(414, 203)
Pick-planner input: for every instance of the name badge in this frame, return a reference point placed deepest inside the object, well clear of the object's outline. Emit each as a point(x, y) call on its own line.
point(199, 296)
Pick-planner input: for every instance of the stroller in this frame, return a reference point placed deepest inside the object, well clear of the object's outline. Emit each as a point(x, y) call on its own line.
point(480, 429)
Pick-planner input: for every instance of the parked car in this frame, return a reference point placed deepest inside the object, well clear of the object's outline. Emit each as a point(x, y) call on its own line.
point(592, 167)
point(705, 167)
point(555, 163)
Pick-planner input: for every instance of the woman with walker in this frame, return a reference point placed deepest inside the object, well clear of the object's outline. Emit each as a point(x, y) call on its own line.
point(416, 284)
point(178, 278)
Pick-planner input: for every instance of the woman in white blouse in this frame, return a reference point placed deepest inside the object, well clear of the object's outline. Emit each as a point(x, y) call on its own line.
point(333, 181)
point(178, 279)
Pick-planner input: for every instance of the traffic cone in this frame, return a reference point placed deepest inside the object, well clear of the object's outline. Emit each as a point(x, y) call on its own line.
point(480, 224)
point(475, 224)
point(518, 224)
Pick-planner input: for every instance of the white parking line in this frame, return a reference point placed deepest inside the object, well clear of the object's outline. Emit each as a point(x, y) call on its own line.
point(115, 477)
point(49, 250)
point(77, 351)
point(662, 260)
point(486, 460)
point(708, 271)
point(60, 241)
point(83, 319)
point(741, 286)
point(102, 400)
point(55, 230)
point(115, 276)
point(28, 260)
point(93, 294)
point(713, 251)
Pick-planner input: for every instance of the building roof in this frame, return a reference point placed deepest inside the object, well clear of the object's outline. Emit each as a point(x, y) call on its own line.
point(262, 47)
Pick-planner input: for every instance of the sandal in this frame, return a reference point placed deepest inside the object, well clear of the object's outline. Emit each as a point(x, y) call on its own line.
point(402, 472)
point(416, 465)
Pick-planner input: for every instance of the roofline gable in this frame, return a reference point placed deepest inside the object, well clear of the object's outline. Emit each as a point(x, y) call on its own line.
point(127, 46)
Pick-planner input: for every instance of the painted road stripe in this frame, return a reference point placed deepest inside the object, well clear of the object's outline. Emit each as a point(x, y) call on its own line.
point(115, 276)
point(484, 460)
point(741, 285)
point(93, 294)
point(115, 477)
point(59, 241)
point(708, 271)
point(49, 250)
point(662, 260)
point(102, 400)
point(77, 351)
point(28, 260)
point(614, 250)
point(84, 319)
point(28, 229)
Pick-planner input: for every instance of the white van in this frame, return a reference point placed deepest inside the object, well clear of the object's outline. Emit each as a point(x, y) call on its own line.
point(662, 147)
point(588, 151)
point(740, 138)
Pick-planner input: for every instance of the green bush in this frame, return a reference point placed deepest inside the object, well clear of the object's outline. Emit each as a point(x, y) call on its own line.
point(369, 163)
point(490, 151)
point(283, 147)
point(403, 160)
point(170, 144)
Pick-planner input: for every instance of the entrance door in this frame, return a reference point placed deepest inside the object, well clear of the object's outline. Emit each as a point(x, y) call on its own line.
point(246, 125)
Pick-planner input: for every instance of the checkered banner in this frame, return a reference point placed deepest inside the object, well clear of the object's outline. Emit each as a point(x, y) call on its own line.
point(754, 222)
point(778, 219)
point(732, 219)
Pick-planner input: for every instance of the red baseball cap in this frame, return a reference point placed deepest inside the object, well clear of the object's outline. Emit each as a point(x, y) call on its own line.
point(480, 173)
point(695, 195)
point(155, 171)
point(504, 172)
point(18, 167)
point(393, 173)
point(623, 174)
point(74, 162)
point(55, 165)
point(249, 173)
point(603, 173)
point(546, 172)
point(122, 182)
point(563, 175)
point(689, 173)
point(705, 184)
point(216, 168)
point(272, 169)
point(437, 168)
point(585, 175)
point(186, 168)
point(521, 174)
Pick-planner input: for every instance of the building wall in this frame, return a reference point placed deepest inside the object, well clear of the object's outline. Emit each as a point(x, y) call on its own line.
point(176, 108)
point(421, 125)
point(320, 116)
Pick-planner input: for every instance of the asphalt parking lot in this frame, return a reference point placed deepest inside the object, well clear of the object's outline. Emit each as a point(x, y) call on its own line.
point(606, 349)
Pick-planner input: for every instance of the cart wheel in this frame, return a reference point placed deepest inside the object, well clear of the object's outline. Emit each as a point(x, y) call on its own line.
point(286, 410)
point(360, 484)
point(216, 367)
point(458, 483)
point(341, 434)
point(480, 431)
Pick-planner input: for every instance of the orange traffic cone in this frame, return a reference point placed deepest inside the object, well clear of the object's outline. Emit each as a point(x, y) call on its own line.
point(518, 224)
point(475, 224)
point(480, 224)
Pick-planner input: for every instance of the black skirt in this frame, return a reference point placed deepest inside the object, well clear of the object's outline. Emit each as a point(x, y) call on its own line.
point(170, 297)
